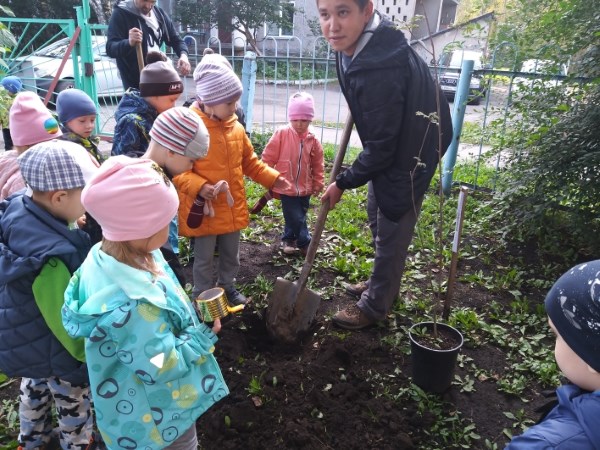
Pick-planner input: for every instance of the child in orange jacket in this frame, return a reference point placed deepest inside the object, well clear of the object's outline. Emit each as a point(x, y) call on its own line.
point(213, 207)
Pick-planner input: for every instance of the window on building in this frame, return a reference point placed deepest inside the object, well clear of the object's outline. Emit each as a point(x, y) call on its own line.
point(286, 10)
point(405, 18)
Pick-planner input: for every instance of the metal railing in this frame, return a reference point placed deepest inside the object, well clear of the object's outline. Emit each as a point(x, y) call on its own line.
point(269, 80)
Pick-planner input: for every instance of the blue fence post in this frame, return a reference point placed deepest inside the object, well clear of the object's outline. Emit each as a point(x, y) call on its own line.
point(461, 98)
point(248, 83)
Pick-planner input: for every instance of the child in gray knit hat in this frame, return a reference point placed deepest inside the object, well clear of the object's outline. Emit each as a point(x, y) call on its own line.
point(573, 307)
point(218, 180)
point(160, 87)
point(177, 139)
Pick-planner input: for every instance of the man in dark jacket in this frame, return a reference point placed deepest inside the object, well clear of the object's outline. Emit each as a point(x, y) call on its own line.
point(404, 125)
point(141, 21)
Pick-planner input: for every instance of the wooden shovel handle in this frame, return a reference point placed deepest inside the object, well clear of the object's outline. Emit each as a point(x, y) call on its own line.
point(140, 55)
point(324, 209)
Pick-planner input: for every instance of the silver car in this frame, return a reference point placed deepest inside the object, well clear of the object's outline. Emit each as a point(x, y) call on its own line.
point(449, 65)
point(38, 69)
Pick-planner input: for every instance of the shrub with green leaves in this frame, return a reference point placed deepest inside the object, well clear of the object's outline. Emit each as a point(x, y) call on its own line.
point(551, 191)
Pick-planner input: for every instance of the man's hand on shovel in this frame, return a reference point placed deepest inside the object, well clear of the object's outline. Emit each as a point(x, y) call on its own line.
point(333, 194)
point(135, 36)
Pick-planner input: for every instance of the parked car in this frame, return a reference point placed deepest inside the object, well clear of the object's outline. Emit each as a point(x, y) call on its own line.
point(449, 65)
point(542, 71)
point(38, 69)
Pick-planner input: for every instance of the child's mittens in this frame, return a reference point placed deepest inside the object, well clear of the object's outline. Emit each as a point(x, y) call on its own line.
point(220, 186)
point(194, 219)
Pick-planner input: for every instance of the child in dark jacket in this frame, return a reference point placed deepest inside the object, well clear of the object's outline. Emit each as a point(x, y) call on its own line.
point(77, 115)
point(38, 254)
point(573, 308)
point(160, 87)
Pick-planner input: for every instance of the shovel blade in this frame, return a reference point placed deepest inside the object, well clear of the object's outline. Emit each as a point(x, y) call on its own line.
point(291, 313)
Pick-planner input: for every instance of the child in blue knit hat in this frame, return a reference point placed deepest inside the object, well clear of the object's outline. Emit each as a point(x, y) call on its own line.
point(573, 308)
point(77, 114)
point(11, 86)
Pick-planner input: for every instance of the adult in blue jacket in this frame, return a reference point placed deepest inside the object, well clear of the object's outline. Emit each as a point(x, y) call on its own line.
point(573, 307)
point(136, 22)
point(404, 124)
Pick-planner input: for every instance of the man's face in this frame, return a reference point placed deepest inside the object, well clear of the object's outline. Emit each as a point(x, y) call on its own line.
point(145, 6)
point(342, 23)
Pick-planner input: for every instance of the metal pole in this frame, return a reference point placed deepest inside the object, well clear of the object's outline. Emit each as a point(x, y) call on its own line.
point(248, 83)
point(461, 98)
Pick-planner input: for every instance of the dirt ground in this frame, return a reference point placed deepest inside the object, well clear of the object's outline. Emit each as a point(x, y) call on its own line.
point(323, 393)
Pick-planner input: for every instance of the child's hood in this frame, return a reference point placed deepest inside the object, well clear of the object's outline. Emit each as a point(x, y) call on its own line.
point(29, 236)
point(133, 103)
point(103, 284)
point(586, 408)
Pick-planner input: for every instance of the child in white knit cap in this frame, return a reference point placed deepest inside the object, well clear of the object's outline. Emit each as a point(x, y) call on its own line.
point(178, 137)
point(217, 181)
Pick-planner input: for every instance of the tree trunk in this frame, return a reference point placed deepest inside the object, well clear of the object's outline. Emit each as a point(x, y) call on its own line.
point(98, 8)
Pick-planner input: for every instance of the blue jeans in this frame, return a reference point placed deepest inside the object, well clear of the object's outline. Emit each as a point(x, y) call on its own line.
point(294, 214)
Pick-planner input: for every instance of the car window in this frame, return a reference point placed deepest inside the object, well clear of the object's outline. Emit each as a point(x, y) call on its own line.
point(55, 50)
point(454, 59)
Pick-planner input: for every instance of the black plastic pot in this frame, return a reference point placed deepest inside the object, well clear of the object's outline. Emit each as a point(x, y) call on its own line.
point(433, 369)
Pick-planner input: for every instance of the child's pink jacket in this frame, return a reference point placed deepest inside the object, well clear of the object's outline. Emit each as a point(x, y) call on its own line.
point(11, 179)
point(299, 160)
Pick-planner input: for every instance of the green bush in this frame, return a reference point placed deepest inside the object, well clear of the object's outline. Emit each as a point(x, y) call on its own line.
point(551, 187)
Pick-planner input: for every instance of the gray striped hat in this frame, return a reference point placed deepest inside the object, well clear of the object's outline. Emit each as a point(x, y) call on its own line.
point(182, 131)
point(216, 82)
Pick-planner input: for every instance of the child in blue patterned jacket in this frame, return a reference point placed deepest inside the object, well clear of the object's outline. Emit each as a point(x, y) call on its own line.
point(150, 359)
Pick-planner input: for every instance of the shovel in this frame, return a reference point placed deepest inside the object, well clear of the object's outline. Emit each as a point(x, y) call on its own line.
point(292, 307)
point(140, 56)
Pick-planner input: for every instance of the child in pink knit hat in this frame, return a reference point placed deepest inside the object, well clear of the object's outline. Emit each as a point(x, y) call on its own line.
point(30, 123)
point(148, 354)
point(298, 155)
